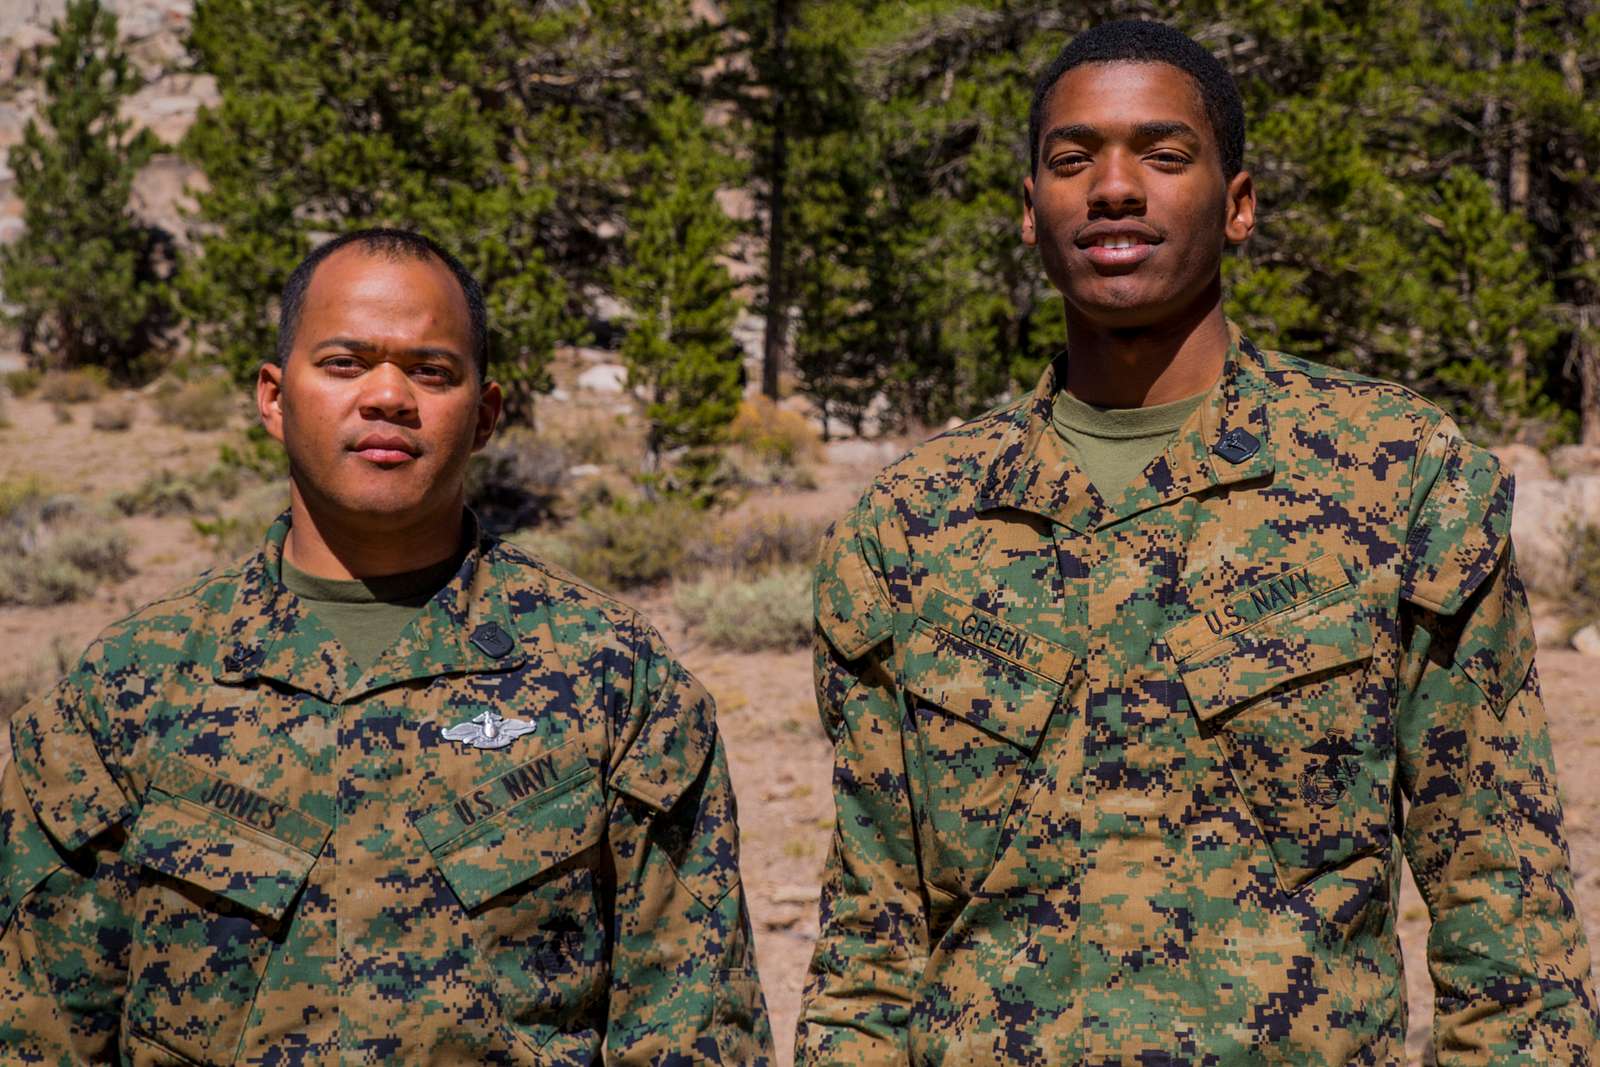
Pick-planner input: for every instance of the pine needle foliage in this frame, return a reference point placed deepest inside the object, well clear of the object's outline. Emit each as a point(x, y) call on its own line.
point(85, 277)
point(490, 125)
point(680, 352)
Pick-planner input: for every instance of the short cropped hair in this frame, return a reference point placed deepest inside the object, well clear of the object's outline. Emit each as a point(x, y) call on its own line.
point(393, 244)
point(1140, 41)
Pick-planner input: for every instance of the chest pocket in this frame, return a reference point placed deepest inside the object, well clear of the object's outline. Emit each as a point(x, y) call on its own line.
point(517, 852)
point(224, 866)
point(1303, 728)
point(979, 696)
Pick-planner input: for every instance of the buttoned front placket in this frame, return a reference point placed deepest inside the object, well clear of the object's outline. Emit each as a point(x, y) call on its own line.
point(1123, 747)
point(370, 913)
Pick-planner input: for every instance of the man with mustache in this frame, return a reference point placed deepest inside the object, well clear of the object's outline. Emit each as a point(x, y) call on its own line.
point(1130, 681)
point(388, 790)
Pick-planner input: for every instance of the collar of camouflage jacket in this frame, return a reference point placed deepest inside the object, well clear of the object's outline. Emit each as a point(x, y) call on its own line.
point(268, 632)
point(1226, 440)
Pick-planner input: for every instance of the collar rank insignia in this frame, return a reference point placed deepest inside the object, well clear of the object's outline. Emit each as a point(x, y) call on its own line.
point(1237, 445)
point(488, 731)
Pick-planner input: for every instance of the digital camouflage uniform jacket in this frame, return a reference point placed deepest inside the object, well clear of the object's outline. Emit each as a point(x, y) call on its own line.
point(1122, 783)
point(219, 844)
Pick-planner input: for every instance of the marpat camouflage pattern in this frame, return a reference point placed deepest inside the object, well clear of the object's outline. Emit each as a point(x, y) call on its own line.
point(1121, 782)
point(220, 844)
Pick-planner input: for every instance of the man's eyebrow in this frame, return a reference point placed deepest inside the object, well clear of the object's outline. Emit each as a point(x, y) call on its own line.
point(354, 345)
point(1164, 128)
point(1076, 131)
point(1154, 130)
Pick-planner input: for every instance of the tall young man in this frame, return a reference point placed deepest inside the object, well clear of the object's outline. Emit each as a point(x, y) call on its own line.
point(387, 791)
point(1131, 681)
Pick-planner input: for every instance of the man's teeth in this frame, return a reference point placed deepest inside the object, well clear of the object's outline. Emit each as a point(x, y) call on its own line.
point(1116, 242)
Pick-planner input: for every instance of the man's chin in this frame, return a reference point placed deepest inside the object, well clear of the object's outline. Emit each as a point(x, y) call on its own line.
point(390, 506)
point(1130, 312)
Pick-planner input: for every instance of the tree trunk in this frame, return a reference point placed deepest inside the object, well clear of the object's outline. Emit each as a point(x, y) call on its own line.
point(778, 167)
point(1586, 346)
point(1517, 184)
point(1585, 294)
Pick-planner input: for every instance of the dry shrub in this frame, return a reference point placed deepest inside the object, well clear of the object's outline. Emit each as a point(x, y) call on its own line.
point(242, 529)
point(78, 386)
point(113, 416)
point(515, 480)
point(22, 382)
point(52, 550)
point(770, 446)
point(20, 494)
point(204, 404)
point(163, 493)
point(751, 614)
point(757, 542)
point(1580, 564)
point(622, 544)
point(592, 438)
point(16, 690)
point(774, 433)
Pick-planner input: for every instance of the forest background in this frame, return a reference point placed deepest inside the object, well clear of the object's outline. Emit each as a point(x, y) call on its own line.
point(1427, 170)
point(740, 255)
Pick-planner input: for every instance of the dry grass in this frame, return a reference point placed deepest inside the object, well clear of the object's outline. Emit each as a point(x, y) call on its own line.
point(593, 438)
point(769, 446)
point(201, 405)
point(79, 386)
point(750, 614)
point(22, 382)
point(113, 416)
point(756, 543)
point(52, 549)
point(1580, 592)
point(622, 543)
point(240, 530)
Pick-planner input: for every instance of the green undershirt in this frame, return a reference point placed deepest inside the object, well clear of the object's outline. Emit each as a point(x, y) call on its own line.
point(1114, 445)
point(367, 615)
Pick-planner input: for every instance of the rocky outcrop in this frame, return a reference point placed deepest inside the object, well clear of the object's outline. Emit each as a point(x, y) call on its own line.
point(1546, 511)
point(153, 33)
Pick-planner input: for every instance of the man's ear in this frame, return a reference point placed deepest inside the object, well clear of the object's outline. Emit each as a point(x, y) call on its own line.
point(269, 398)
point(1241, 208)
point(490, 403)
point(1030, 236)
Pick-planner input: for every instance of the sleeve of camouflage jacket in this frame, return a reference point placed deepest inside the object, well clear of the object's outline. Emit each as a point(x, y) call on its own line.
point(873, 944)
point(1507, 951)
point(64, 928)
point(683, 971)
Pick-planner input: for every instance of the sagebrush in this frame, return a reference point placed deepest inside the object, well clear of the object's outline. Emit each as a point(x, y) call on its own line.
point(770, 611)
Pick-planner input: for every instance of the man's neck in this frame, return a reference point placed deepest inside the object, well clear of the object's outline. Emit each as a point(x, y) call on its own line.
point(326, 548)
point(1145, 366)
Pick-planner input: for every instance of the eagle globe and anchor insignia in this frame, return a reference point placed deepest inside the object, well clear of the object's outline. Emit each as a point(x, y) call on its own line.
point(1324, 783)
point(488, 730)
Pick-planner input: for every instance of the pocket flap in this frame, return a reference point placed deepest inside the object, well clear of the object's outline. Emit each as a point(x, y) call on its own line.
point(1257, 660)
point(226, 839)
point(975, 685)
point(510, 828)
point(67, 784)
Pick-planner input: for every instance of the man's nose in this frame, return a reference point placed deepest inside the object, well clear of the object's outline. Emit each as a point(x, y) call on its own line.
point(1116, 188)
point(386, 392)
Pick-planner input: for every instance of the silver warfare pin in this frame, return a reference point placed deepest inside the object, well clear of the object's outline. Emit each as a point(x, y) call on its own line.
point(488, 731)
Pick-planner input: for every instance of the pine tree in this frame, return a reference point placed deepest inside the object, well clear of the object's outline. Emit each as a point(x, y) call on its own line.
point(491, 125)
point(681, 355)
point(85, 275)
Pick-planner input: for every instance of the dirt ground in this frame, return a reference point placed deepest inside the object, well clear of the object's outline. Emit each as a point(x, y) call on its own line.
point(779, 755)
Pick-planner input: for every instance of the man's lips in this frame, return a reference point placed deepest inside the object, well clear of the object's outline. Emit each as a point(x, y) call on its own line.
point(385, 449)
point(1117, 245)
